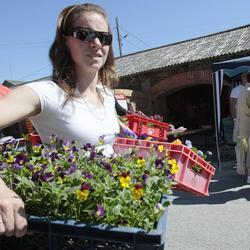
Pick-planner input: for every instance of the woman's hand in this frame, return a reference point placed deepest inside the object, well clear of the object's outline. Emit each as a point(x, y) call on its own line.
point(12, 214)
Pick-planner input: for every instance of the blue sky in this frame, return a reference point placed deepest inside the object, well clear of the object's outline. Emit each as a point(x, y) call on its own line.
point(28, 27)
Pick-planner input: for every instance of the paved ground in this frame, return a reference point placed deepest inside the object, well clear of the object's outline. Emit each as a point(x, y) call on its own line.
point(220, 221)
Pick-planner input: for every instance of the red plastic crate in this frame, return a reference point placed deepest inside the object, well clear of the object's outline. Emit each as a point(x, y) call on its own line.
point(153, 128)
point(34, 139)
point(187, 178)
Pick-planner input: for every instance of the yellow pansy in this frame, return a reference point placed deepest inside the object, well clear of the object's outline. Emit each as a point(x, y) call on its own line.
point(160, 148)
point(10, 159)
point(125, 181)
point(137, 193)
point(167, 153)
point(82, 195)
point(141, 162)
point(37, 149)
point(174, 167)
point(66, 148)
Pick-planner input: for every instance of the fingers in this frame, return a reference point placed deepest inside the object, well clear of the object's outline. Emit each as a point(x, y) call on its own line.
point(13, 217)
point(7, 215)
point(2, 228)
point(20, 222)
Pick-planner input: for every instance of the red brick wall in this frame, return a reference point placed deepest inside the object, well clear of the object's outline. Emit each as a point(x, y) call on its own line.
point(181, 80)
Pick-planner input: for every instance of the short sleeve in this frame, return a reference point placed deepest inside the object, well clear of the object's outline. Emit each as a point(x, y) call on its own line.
point(234, 93)
point(47, 91)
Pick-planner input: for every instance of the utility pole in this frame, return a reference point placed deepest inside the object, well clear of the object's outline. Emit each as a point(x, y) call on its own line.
point(118, 36)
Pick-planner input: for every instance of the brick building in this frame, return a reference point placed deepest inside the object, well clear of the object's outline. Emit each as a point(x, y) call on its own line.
point(176, 80)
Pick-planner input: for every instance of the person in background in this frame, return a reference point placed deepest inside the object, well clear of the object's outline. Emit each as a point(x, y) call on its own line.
point(242, 134)
point(234, 96)
point(77, 104)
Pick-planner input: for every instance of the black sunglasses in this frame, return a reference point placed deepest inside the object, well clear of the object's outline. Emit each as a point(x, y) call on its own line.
point(86, 34)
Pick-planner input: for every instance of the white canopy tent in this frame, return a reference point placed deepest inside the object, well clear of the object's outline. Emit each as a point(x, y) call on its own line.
point(231, 68)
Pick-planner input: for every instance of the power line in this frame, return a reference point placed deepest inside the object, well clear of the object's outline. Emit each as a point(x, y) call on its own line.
point(133, 44)
point(128, 33)
point(33, 73)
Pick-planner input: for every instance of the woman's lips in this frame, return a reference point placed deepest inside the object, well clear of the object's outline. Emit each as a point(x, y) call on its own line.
point(94, 55)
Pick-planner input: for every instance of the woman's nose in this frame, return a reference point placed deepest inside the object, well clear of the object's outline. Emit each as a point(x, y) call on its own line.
point(96, 43)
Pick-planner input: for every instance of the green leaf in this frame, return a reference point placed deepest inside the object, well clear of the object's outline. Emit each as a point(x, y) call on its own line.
point(166, 203)
point(117, 209)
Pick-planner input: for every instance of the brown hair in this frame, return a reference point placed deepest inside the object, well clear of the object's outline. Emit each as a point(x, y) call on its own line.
point(63, 73)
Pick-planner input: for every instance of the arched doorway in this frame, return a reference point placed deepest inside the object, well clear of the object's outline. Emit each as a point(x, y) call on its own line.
point(191, 107)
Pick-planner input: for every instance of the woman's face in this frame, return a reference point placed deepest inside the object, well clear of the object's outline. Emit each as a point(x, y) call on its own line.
point(89, 56)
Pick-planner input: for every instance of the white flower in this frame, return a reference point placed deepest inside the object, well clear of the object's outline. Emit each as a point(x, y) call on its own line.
point(200, 153)
point(188, 143)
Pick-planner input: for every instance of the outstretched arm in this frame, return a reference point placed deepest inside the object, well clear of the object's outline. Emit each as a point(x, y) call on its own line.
point(18, 104)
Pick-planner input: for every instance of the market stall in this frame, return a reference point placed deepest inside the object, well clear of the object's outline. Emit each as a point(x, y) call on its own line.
point(230, 68)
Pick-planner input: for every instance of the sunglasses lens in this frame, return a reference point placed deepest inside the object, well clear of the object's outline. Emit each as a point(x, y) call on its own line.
point(90, 35)
point(80, 34)
point(106, 39)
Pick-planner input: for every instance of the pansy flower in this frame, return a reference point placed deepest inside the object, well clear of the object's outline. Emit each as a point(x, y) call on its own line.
point(174, 168)
point(137, 191)
point(141, 162)
point(53, 139)
point(82, 194)
point(106, 165)
point(160, 148)
point(99, 213)
point(145, 176)
point(125, 179)
point(159, 163)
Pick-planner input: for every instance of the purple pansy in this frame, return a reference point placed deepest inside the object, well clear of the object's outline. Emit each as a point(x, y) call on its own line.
point(106, 165)
point(159, 163)
point(99, 211)
point(21, 159)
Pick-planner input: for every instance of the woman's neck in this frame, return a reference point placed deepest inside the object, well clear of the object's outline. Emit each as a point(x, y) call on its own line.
point(86, 83)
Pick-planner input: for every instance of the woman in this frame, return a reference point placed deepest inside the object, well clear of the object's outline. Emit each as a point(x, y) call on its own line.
point(77, 104)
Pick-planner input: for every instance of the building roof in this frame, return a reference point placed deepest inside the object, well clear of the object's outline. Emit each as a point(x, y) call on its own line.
point(218, 44)
point(14, 83)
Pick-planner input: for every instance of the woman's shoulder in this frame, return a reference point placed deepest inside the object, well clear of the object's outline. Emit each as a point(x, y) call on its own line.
point(44, 83)
point(45, 86)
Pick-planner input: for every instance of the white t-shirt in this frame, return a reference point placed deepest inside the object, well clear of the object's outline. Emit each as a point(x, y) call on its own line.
point(235, 93)
point(77, 120)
